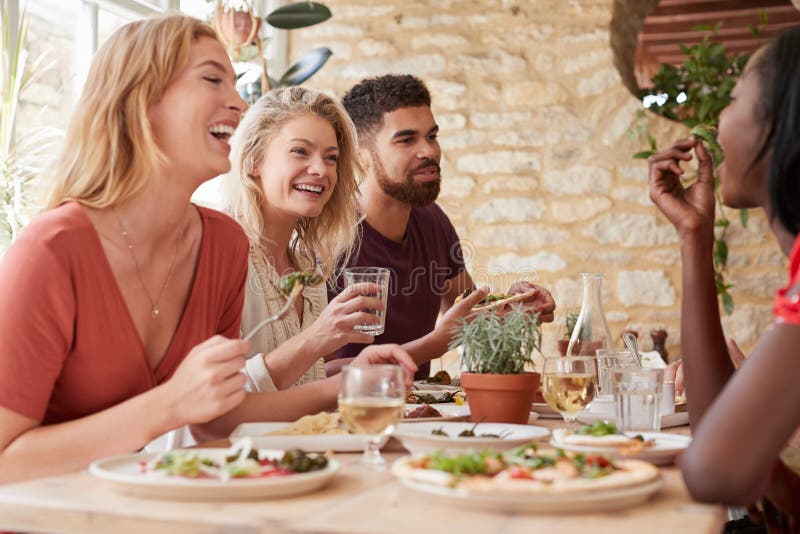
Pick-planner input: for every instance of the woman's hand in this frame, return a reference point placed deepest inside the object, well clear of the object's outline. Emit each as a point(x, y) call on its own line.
point(674, 373)
point(690, 209)
point(208, 383)
point(541, 301)
point(392, 354)
point(334, 328)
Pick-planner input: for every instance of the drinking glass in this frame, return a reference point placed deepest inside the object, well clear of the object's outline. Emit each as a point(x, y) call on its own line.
point(371, 401)
point(637, 398)
point(373, 275)
point(608, 359)
point(568, 384)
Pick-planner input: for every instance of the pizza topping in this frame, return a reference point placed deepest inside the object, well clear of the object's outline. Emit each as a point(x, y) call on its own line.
point(426, 410)
point(600, 428)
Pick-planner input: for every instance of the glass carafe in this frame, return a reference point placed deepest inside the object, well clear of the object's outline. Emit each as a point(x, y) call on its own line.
point(591, 330)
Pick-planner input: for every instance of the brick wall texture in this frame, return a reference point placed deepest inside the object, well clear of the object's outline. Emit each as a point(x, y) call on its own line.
point(536, 134)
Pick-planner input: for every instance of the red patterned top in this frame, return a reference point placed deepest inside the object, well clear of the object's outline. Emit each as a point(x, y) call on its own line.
point(786, 308)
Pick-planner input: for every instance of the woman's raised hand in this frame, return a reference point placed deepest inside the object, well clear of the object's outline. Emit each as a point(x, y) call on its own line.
point(334, 328)
point(388, 354)
point(208, 383)
point(689, 209)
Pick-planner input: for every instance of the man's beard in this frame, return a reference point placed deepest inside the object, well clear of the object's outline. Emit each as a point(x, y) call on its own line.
point(414, 194)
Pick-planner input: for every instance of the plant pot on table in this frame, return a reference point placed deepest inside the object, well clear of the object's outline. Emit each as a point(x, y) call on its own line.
point(496, 398)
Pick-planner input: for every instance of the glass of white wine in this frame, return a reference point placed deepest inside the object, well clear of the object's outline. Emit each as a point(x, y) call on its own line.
point(569, 384)
point(371, 401)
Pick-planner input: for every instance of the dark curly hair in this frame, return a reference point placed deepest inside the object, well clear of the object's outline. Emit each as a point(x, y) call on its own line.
point(369, 99)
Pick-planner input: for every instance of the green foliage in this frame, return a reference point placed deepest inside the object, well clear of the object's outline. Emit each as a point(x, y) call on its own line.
point(298, 15)
point(697, 91)
point(498, 344)
point(288, 17)
point(22, 154)
point(570, 320)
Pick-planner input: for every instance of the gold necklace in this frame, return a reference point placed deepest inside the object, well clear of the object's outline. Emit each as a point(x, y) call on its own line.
point(154, 311)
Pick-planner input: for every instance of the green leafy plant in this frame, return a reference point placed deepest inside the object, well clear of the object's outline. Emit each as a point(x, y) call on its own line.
point(570, 320)
point(498, 344)
point(254, 81)
point(694, 93)
point(23, 153)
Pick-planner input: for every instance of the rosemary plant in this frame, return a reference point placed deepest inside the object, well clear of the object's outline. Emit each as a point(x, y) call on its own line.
point(498, 344)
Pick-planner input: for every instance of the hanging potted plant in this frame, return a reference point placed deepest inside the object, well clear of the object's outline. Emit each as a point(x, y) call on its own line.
point(236, 24)
point(498, 360)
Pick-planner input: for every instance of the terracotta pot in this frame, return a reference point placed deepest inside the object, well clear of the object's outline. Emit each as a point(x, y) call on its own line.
point(500, 398)
point(236, 28)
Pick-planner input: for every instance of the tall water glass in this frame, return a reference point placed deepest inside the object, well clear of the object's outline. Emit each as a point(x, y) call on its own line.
point(608, 359)
point(568, 384)
point(373, 275)
point(371, 401)
point(637, 398)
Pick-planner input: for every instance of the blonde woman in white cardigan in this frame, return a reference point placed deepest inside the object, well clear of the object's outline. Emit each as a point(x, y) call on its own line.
point(293, 188)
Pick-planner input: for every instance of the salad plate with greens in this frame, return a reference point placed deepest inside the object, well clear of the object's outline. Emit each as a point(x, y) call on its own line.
point(240, 472)
point(453, 436)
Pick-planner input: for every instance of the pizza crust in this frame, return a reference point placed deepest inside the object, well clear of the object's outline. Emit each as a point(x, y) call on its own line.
point(631, 473)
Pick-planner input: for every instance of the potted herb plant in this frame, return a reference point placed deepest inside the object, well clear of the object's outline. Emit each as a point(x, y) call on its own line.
point(570, 320)
point(498, 362)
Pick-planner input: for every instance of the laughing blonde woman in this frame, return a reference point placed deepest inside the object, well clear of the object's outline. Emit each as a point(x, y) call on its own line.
point(293, 188)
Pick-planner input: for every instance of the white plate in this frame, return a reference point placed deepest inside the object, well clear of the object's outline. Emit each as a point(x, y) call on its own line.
point(545, 411)
point(417, 437)
point(312, 442)
point(437, 394)
point(424, 386)
point(124, 472)
point(664, 452)
point(595, 501)
point(667, 421)
point(450, 412)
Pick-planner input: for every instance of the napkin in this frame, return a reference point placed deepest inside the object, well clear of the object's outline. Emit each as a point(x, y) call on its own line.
point(652, 360)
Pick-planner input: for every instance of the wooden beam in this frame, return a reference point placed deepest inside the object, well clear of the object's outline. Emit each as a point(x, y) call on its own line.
point(724, 34)
point(776, 17)
point(711, 6)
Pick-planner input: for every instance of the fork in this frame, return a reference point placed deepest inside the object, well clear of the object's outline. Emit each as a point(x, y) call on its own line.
point(296, 290)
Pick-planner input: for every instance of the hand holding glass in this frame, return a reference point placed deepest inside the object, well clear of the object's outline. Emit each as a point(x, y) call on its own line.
point(568, 384)
point(374, 275)
point(371, 401)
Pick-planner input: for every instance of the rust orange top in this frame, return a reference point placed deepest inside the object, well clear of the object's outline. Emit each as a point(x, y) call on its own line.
point(68, 345)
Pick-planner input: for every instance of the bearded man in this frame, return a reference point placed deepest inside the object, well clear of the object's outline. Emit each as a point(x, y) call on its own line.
point(404, 229)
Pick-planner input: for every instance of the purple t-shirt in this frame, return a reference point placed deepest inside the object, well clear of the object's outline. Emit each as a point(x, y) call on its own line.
point(429, 256)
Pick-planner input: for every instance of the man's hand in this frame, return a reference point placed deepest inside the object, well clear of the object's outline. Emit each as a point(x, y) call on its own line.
point(541, 301)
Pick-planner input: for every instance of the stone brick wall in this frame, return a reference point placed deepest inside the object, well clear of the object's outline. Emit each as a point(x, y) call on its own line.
point(537, 168)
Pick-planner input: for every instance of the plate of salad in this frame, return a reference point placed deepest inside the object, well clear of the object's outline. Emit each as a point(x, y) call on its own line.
point(240, 472)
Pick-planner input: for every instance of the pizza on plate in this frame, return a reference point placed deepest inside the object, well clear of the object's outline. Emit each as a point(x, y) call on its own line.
point(497, 300)
point(524, 470)
point(602, 435)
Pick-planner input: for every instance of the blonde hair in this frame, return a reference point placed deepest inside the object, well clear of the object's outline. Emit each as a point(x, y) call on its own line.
point(324, 241)
point(109, 150)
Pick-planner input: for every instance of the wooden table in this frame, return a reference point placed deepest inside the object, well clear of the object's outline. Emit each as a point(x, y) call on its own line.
point(357, 500)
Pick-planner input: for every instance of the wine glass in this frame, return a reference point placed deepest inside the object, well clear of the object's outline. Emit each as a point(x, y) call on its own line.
point(569, 384)
point(371, 401)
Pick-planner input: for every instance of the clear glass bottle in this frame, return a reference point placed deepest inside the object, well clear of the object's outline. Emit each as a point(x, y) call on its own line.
point(591, 330)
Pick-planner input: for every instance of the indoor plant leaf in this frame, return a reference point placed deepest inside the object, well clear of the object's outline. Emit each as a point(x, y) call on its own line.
point(298, 15)
point(306, 67)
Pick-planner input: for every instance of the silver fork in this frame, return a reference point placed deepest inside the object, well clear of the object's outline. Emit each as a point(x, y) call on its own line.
point(296, 290)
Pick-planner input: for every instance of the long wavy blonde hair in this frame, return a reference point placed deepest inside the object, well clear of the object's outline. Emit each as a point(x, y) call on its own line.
point(109, 150)
point(326, 241)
